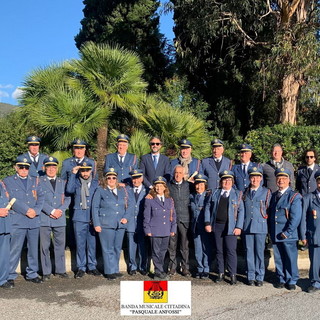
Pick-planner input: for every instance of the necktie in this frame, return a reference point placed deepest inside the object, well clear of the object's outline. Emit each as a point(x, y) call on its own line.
point(309, 172)
point(244, 168)
point(53, 183)
point(253, 192)
point(155, 161)
point(136, 194)
point(217, 163)
point(35, 162)
point(78, 161)
point(224, 195)
point(162, 200)
point(278, 196)
point(121, 159)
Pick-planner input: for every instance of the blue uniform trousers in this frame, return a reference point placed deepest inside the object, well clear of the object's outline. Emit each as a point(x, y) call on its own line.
point(18, 236)
point(136, 243)
point(226, 246)
point(59, 243)
point(314, 272)
point(202, 250)
point(286, 261)
point(255, 244)
point(85, 245)
point(4, 254)
point(111, 245)
point(159, 247)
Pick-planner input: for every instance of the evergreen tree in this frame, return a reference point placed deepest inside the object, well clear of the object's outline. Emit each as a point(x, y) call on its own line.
point(133, 24)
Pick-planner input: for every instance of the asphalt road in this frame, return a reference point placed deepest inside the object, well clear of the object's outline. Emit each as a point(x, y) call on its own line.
point(97, 298)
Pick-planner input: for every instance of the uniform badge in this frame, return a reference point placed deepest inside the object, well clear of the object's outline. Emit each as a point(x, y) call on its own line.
point(225, 172)
point(282, 169)
point(243, 146)
point(254, 168)
point(25, 160)
point(51, 159)
point(78, 141)
point(160, 178)
point(111, 169)
point(84, 164)
point(184, 141)
point(135, 171)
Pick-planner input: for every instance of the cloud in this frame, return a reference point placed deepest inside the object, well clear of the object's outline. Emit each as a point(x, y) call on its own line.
point(4, 94)
point(17, 93)
point(6, 86)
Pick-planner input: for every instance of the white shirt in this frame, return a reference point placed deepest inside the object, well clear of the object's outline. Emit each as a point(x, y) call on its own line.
point(227, 192)
point(114, 191)
point(311, 167)
point(123, 157)
point(137, 188)
point(161, 198)
point(32, 157)
point(283, 191)
point(218, 159)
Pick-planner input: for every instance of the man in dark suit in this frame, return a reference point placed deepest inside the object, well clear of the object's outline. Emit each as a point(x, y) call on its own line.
point(35, 158)
point(306, 182)
point(154, 164)
point(213, 166)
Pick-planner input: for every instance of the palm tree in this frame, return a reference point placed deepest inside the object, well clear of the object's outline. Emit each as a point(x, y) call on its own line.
point(114, 77)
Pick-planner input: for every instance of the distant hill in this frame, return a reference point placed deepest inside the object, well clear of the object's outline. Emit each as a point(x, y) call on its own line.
point(6, 108)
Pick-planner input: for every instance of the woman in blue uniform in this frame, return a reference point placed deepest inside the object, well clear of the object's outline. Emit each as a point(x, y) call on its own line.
point(201, 238)
point(111, 211)
point(159, 224)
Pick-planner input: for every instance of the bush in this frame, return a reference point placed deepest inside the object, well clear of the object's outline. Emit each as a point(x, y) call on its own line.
point(293, 139)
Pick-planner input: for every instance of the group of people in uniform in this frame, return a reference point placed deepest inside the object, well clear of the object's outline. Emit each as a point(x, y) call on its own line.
point(160, 205)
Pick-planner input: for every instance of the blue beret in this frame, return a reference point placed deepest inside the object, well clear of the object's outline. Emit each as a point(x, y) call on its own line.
point(216, 143)
point(110, 172)
point(282, 172)
point(185, 144)
point(123, 138)
point(33, 139)
point(200, 178)
point(245, 147)
point(79, 143)
point(50, 161)
point(226, 174)
point(136, 173)
point(22, 160)
point(255, 171)
point(160, 179)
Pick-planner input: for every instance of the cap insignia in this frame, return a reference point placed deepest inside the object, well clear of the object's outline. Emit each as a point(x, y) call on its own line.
point(51, 159)
point(282, 169)
point(25, 160)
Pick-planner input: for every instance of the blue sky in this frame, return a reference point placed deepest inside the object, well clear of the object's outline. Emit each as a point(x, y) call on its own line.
point(36, 33)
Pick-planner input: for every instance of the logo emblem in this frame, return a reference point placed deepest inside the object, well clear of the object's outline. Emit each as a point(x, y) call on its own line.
point(282, 169)
point(78, 141)
point(225, 172)
point(33, 138)
point(25, 160)
point(135, 171)
point(111, 169)
point(254, 168)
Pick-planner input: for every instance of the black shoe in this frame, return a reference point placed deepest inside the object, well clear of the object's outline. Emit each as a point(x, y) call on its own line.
point(160, 276)
point(7, 285)
point(291, 287)
point(11, 282)
point(185, 272)
point(204, 275)
point(35, 280)
point(62, 275)
point(94, 272)
point(279, 285)
point(79, 274)
point(250, 283)
point(259, 283)
point(312, 289)
point(198, 275)
point(132, 272)
point(220, 278)
point(111, 276)
point(46, 277)
point(143, 272)
point(233, 279)
point(118, 275)
point(171, 273)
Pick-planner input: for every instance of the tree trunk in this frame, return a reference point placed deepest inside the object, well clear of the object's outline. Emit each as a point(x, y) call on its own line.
point(289, 95)
point(102, 137)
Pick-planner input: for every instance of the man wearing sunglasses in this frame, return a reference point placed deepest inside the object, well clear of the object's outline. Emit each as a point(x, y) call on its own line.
point(25, 218)
point(154, 164)
point(35, 157)
point(306, 183)
point(82, 186)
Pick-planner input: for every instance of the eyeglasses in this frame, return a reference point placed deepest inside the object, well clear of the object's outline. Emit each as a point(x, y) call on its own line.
point(111, 178)
point(309, 157)
point(23, 167)
point(155, 143)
